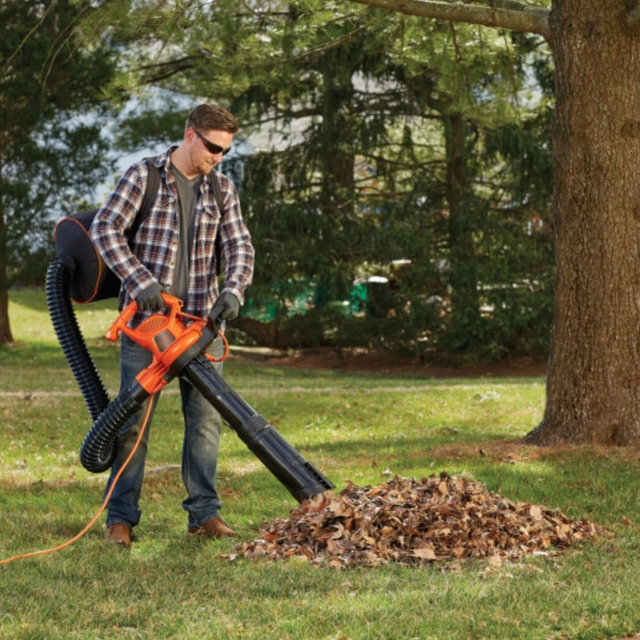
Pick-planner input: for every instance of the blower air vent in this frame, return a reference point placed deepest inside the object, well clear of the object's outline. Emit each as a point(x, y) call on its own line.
point(153, 324)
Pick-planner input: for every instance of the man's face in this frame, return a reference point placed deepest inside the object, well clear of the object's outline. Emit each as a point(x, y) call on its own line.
point(207, 148)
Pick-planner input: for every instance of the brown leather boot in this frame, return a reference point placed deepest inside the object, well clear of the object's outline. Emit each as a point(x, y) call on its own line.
point(214, 528)
point(119, 533)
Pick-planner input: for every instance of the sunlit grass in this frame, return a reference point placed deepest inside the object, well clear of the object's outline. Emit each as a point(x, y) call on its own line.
point(358, 428)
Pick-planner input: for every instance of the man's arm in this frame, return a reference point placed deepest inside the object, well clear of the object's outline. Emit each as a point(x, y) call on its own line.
point(237, 248)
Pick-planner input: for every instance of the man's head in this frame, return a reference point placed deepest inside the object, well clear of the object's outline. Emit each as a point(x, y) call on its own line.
point(208, 135)
point(206, 117)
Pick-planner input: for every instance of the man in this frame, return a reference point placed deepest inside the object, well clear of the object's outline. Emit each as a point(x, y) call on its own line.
point(174, 252)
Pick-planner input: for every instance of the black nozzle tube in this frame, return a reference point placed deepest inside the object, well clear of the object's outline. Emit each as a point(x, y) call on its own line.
point(297, 475)
point(99, 447)
point(70, 337)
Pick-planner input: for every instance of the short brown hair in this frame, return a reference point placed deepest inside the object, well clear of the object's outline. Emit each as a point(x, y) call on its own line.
point(206, 117)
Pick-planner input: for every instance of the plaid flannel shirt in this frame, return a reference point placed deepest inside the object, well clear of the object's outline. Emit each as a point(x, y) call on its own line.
point(153, 251)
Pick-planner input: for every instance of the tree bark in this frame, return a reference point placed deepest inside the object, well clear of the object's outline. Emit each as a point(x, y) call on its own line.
point(593, 384)
point(6, 336)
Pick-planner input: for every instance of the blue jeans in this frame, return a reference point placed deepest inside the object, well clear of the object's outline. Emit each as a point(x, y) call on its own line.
point(199, 453)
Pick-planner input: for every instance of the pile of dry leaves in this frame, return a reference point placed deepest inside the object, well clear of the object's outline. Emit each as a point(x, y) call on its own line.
point(409, 521)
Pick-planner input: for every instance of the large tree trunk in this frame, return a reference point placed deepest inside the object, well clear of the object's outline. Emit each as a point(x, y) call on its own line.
point(6, 336)
point(593, 385)
point(5, 329)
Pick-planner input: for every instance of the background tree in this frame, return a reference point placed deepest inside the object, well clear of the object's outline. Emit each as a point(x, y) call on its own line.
point(593, 393)
point(386, 134)
point(593, 373)
point(592, 388)
point(52, 152)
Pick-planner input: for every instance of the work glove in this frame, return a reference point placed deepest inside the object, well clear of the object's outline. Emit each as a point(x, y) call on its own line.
point(226, 307)
point(150, 299)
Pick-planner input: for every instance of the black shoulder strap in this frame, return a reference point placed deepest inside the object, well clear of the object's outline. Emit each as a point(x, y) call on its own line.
point(150, 193)
point(217, 192)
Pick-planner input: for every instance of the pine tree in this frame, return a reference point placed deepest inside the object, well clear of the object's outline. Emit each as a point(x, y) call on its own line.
point(50, 153)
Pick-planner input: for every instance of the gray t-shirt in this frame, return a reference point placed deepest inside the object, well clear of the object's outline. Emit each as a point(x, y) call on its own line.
point(187, 193)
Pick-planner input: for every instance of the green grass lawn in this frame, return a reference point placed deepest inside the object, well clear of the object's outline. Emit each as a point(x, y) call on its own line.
point(355, 428)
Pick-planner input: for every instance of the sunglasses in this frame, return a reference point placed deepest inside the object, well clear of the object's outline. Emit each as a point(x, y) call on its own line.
point(212, 148)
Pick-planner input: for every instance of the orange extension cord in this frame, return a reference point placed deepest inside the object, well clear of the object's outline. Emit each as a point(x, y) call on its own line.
point(104, 502)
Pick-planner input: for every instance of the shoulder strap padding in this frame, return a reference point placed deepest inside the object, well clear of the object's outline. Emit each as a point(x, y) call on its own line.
point(150, 193)
point(217, 192)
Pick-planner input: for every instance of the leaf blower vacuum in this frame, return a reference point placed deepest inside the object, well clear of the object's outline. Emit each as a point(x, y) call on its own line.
point(178, 343)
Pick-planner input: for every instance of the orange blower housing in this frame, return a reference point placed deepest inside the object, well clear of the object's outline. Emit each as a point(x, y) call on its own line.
point(166, 336)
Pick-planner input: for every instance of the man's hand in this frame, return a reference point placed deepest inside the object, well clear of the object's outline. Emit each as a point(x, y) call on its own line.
point(150, 299)
point(226, 307)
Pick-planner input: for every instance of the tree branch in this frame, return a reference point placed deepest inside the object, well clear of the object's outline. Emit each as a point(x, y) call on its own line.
point(509, 14)
point(330, 45)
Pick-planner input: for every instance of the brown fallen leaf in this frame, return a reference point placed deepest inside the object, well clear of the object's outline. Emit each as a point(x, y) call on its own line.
point(425, 553)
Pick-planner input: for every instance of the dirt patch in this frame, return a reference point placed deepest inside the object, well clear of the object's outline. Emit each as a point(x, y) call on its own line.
point(364, 361)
